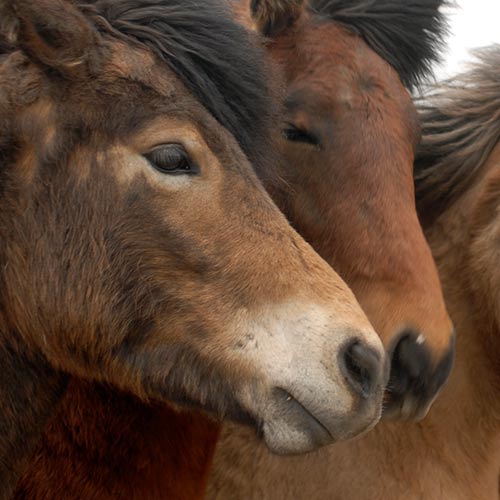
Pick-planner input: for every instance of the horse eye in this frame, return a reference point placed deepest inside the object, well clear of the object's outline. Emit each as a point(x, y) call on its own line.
point(294, 134)
point(171, 159)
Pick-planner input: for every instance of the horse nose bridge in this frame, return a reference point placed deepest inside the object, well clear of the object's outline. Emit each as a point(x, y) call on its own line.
point(424, 311)
point(323, 296)
point(406, 311)
point(428, 328)
point(308, 336)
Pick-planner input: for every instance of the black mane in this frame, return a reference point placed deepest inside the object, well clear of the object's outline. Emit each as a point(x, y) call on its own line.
point(407, 34)
point(215, 57)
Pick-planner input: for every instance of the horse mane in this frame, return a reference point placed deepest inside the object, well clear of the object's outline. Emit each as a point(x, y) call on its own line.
point(215, 57)
point(408, 35)
point(460, 126)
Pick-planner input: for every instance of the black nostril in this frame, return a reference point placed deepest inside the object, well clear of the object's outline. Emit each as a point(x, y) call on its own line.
point(410, 366)
point(415, 378)
point(362, 367)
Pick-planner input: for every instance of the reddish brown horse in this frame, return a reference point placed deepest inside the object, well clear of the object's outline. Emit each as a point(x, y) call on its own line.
point(138, 248)
point(351, 132)
point(454, 453)
point(352, 129)
point(106, 467)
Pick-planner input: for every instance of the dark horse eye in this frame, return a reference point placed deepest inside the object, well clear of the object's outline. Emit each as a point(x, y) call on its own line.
point(294, 134)
point(171, 159)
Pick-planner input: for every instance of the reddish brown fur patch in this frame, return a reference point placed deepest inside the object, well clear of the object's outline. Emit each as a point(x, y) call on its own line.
point(362, 181)
point(151, 451)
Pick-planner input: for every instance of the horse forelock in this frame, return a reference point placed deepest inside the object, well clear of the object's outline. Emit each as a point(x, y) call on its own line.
point(408, 35)
point(460, 127)
point(216, 58)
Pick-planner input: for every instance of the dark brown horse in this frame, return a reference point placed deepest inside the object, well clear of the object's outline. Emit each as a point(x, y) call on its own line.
point(454, 453)
point(125, 460)
point(137, 247)
point(89, 451)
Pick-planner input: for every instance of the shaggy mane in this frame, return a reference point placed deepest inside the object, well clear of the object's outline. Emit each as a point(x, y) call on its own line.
point(408, 35)
point(216, 58)
point(461, 125)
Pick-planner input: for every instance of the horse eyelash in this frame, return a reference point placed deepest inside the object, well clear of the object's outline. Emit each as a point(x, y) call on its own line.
point(294, 134)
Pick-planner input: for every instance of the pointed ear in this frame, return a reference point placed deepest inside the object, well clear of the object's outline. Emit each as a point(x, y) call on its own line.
point(52, 32)
point(273, 16)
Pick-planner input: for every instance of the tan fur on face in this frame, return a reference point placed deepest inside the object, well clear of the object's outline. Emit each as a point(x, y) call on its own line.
point(162, 132)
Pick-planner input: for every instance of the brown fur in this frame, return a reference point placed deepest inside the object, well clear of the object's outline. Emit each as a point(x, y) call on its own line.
point(165, 442)
point(273, 16)
point(454, 453)
point(159, 484)
point(353, 104)
point(471, 118)
point(167, 287)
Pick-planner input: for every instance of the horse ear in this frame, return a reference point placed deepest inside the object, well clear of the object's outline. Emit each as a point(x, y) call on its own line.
point(273, 16)
point(52, 32)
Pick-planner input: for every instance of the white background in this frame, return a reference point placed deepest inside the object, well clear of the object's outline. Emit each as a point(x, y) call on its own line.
point(473, 23)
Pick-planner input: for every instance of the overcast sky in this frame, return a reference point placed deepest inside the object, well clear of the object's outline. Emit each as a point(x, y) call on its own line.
point(474, 23)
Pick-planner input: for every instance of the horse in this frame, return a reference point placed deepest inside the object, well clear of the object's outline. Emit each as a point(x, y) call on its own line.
point(363, 112)
point(454, 453)
point(352, 121)
point(88, 442)
point(139, 250)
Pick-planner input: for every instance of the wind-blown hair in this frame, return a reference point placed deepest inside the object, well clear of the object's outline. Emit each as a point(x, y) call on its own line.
point(460, 125)
point(408, 35)
point(217, 59)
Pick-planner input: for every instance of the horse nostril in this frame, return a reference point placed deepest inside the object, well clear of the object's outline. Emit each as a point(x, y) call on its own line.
point(415, 378)
point(411, 369)
point(362, 367)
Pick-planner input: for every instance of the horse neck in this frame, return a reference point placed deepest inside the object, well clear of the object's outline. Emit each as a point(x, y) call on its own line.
point(29, 387)
point(29, 391)
point(104, 437)
point(471, 395)
point(452, 239)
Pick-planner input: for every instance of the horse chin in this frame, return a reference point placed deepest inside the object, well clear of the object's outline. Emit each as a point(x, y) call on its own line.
point(291, 427)
point(409, 409)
